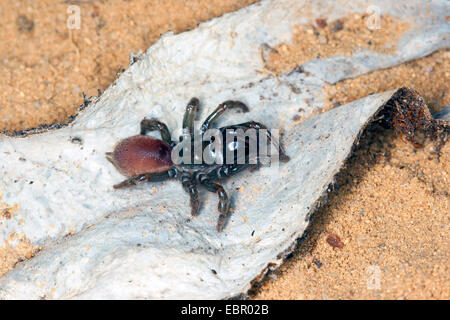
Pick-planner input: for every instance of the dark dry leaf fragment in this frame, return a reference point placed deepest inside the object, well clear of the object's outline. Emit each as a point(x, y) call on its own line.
point(334, 241)
point(321, 23)
point(24, 24)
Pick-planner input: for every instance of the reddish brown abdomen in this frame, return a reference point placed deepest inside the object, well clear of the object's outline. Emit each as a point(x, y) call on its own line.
point(142, 154)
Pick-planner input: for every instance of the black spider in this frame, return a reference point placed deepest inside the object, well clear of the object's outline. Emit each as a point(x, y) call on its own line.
point(145, 158)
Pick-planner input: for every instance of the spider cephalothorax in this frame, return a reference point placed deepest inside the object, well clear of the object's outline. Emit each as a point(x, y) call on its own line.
point(145, 158)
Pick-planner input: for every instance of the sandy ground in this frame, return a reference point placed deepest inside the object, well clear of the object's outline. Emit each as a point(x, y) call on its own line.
point(384, 234)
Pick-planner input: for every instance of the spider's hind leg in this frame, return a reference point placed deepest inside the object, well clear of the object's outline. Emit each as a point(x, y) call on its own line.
point(191, 187)
point(148, 125)
point(189, 116)
point(224, 202)
point(150, 177)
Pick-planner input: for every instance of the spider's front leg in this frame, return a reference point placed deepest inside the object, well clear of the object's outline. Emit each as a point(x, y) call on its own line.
point(151, 177)
point(191, 188)
point(224, 202)
point(258, 126)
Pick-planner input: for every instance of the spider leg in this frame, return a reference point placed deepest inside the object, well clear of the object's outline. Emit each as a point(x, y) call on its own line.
point(228, 170)
point(221, 108)
point(191, 187)
point(148, 125)
point(189, 116)
point(256, 125)
point(224, 202)
point(151, 177)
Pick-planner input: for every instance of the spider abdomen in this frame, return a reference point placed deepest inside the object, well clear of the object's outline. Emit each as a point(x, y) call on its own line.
point(141, 154)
